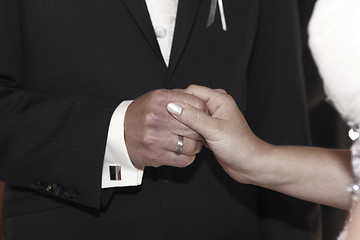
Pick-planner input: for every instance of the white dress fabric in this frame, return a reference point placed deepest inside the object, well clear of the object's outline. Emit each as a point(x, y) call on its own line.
point(334, 39)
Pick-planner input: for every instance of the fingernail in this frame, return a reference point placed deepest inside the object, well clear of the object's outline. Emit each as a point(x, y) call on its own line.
point(174, 109)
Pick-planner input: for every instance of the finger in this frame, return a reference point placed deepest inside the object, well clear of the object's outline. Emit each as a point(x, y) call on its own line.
point(202, 92)
point(220, 90)
point(189, 146)
point(183, 96)
point(194, 118)
point(179, 128)
point(178, 160)
point(213, 98)
point(178, 90)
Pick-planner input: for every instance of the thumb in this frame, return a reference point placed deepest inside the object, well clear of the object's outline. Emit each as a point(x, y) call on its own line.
point(194, 118)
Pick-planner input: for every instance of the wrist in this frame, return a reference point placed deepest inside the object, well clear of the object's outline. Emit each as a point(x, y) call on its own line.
point(249, 163)
point(259, 170)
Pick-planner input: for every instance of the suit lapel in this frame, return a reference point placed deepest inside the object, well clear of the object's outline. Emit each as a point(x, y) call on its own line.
point(140, 13)
point(186, 15)
point(187, 12)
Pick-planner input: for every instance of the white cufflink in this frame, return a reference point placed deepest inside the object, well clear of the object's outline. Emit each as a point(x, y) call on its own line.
point(115, 172)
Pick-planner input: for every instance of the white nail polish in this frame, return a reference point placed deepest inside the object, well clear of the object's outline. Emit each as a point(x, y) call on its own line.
point(174, 109)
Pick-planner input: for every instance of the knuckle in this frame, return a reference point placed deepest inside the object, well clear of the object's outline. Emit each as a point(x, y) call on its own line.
point(152, 119)
point(185, 162)
point(159, 96)
point(201, 105)
point(190, 87)
point(198, 147)
point(149, 138)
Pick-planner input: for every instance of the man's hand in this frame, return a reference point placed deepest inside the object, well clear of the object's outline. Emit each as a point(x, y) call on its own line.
point(151, 134)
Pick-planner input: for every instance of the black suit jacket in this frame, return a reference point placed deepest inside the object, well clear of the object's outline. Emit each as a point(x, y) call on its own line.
point(65, 65)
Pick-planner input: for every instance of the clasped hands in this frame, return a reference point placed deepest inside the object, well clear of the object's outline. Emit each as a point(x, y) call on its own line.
point(203, 116)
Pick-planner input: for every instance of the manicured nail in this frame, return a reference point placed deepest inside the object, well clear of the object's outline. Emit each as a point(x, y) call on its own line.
point(174, 109)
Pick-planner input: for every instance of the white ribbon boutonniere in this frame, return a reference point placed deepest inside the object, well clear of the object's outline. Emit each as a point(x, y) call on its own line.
point(212, 13)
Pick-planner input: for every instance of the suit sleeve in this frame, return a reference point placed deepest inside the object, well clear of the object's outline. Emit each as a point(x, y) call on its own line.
point(52, 144)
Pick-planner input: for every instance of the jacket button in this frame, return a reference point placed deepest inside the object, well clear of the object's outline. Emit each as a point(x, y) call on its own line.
point(70, 194)
point(56, 189)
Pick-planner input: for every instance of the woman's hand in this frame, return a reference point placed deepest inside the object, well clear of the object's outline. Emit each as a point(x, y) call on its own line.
point(313, 174)
point(225, 130)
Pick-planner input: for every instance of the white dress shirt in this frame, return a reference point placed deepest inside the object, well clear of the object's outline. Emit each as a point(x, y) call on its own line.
point(163, 16)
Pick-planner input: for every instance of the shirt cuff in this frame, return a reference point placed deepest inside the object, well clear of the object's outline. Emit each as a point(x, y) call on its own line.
point(116, 155)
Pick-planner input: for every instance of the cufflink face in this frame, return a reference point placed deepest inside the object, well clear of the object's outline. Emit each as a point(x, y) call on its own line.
point(115, 172)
